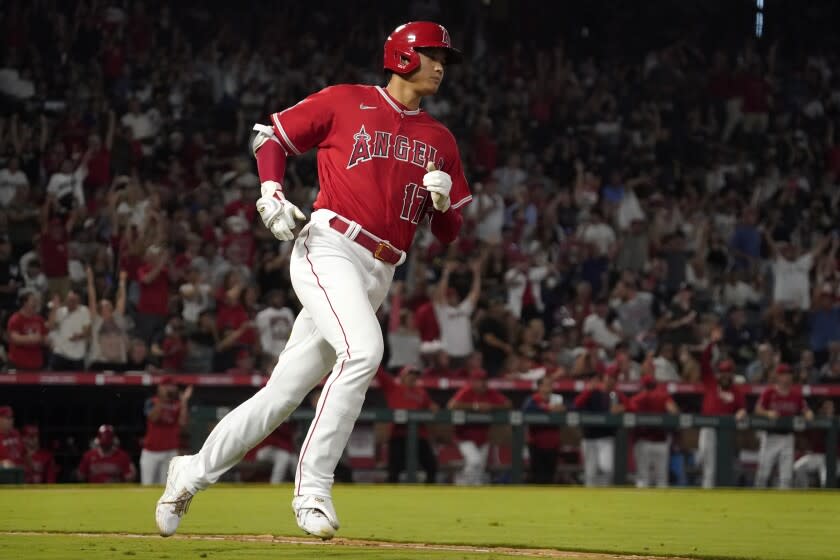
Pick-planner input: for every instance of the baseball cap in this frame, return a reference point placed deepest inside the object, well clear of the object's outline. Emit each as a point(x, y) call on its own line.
point(167, 380)
point(783, 368)
point(6, 412)
point(726, 366)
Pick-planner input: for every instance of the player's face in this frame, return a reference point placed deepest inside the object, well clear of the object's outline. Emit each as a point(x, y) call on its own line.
point(428, 77)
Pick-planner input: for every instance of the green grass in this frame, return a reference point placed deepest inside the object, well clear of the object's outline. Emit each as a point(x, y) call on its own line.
point(766, 525)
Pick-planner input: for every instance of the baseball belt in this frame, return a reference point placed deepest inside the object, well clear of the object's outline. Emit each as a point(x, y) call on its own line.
point(382, 250)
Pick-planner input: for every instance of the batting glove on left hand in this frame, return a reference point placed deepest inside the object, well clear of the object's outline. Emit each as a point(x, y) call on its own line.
point(278, 214)
point(438, 183)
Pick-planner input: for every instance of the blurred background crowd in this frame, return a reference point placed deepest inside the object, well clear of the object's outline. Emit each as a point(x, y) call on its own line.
point(642, 176)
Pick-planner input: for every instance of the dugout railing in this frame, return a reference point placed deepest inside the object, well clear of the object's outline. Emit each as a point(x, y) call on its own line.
point(518, 421)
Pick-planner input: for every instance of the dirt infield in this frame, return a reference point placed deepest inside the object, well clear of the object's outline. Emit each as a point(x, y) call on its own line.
point(362, 543)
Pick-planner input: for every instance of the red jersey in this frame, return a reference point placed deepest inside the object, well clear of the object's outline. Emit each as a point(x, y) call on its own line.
point(541, 437)
point(162, 435)
point(41, 468)
point(718, 401)
point(400, 397)
point(154, 296)
point(426, 322)
point(477, 432)
point(650, 402)
point(281, 438)
point(26, 356)
point(100, 467)
point(55, 254)
point(790, 404)
point(11, 448)
point(372, 157)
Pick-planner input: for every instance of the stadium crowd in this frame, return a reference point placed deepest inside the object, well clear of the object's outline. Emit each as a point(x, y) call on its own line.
point(626, 207)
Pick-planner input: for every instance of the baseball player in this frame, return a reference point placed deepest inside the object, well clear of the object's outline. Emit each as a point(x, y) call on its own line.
point(720, 398)
point(166, 413)
point(383, 166)
point(651, 450)
point(106, 462)
point(813, 462)
point(11, 444)
point(407, 395)
point(601, 396)
point(40, 463)
point(473, 439)
point(544, 441)
point(779, 400)
point(278, 448)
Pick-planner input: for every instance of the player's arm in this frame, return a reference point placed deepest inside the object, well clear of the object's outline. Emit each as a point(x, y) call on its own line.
point(582, 399)
point(671, 406)
point(184, 413)
point(475, 287)
point(457, 402)
point(806, 410)
point(153, 409)
point(449, 192)
point(129, 470)
point(762, 406)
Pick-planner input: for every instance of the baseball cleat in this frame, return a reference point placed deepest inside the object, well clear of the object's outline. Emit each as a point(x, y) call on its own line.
point(316, 516)
point(174, 502)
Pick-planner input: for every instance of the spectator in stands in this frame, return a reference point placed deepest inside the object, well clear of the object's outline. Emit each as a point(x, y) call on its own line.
point(544, 440)
point(763, 367)
point(274, 324)
point(813, 462)
point(473, 441)
point(652, 448)
point(11, 444)
point(823, 322)
point(598, 444)
point(105, 462)
point(139, 358)
point(599, 326)
point(27, 335)
point(12, 180)
point(41, 467)
point(109, 327)
point(167, 414)
point(201, 345)
point(740, 337)
point(488, 211)
point(454, 314)
point(720, 398)
point(791, 268)
point(780, 400)
point(196, 297)
point(153, 305)
point(493, 336)
point(10, 279)
point(57, 224)
point(403, 337)
point(70, 327)
point(172, 350)
point(406, 394)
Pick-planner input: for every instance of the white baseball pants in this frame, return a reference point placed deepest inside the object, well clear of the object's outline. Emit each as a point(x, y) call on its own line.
point(280, 460)
point(340, 285)
point(808, 464)
point(651, 463)
point(475, 462)
point(154, 466)
point(775, 448)
point(707, 455)
point(598, 461)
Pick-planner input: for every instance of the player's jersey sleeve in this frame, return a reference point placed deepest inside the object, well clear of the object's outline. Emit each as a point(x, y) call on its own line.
point(307, 124)
point(764, 399)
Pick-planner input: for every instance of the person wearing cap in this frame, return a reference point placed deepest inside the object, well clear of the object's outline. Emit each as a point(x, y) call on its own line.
point(651, 450)
point(720, 398)
point(166, 414)
point(11, 445)
point(472, 439)
point(27, 335)
point(454, 315)
point(601, 396)
point(782, 399)
point(105, 462)
point(544, 440)
point(407, 394)
point(40, 463)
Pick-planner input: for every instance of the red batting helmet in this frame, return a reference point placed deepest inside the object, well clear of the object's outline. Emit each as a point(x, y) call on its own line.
point(403, 41)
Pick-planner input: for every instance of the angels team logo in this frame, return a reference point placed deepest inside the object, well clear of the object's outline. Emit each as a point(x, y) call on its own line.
point(445, 38)
point(384, 145)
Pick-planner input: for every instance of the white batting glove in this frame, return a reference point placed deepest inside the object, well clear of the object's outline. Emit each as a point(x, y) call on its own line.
point(278, 214)
point(438, 183)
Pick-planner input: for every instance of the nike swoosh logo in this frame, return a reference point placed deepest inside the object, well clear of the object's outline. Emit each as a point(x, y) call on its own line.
point(363, 107)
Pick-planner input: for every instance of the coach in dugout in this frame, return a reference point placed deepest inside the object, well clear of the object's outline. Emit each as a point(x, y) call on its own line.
point(720, 398)
point(407, 395)
point(105, 462)
point(652, 446)
point(544, 440)
point(598, 445)
point(166, 413)
point(780, 400)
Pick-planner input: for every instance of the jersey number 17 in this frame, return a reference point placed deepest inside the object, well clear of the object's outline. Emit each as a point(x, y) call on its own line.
point(414, 203)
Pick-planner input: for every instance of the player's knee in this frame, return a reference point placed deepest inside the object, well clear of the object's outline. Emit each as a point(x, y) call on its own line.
point(369, 357)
